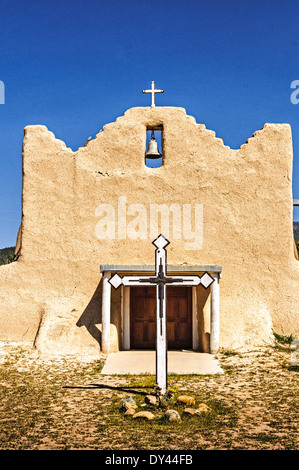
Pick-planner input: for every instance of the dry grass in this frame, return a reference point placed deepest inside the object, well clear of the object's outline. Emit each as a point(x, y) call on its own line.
point(60, 404)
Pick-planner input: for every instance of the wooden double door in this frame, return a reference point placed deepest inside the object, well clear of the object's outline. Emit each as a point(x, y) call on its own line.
point(143, 317)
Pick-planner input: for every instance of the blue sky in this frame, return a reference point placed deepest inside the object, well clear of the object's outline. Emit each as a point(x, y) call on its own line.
point(76, 65)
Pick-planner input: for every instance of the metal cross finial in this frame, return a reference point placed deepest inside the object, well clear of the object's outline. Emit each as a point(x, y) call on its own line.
point(153, 90)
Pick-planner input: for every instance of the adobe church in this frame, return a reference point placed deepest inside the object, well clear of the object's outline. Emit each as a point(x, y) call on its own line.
point(92, 213)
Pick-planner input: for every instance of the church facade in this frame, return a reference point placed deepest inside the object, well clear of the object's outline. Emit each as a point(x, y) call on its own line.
point(89, 214)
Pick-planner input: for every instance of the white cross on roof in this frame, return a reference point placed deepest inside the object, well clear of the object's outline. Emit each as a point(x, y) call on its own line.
point(153, 90)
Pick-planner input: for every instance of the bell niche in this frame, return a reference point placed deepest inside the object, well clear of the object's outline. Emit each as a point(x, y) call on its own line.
point(154, 152)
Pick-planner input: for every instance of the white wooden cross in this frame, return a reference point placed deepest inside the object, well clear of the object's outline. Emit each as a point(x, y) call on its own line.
point(161, 280)
point(153, 90)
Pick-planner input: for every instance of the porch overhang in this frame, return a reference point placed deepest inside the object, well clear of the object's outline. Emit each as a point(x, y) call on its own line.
point(126, 268)
point(107, 270)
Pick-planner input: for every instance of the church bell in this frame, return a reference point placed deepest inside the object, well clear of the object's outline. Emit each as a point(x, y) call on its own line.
point(152, 150)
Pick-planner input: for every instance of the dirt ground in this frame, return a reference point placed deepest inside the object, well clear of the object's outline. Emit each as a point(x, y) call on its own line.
point(65, 404)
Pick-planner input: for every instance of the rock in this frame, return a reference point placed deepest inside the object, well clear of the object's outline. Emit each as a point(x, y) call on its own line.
point(129, 406)
point(129, 399)
point(129, 402)
point(144, 414)
point(130, 412)
point(186, 400)
point(203, 408)
point(150, 400)
point(172, 415)
point(190, 411)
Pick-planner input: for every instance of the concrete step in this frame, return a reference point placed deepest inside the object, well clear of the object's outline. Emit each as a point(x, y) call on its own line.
point(179, 362)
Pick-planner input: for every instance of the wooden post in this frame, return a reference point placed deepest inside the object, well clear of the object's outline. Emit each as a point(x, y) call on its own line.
point(195, 338)
point(106, 305)
point(214, 333)
point(161, 342)
point(126, 312)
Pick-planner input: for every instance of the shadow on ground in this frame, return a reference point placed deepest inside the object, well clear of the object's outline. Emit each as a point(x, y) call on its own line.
point(127, 389)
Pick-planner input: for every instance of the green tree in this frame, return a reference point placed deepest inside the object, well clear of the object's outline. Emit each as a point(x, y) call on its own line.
point(10, 258)
point(7, 255)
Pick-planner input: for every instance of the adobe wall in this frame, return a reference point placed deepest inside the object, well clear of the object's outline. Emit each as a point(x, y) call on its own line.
point(51, 296)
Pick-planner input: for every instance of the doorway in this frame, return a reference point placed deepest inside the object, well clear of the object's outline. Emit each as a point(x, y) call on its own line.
point(143, 317)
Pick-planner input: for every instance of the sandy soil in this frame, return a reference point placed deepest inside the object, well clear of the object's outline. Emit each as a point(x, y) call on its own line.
point(65, 403)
